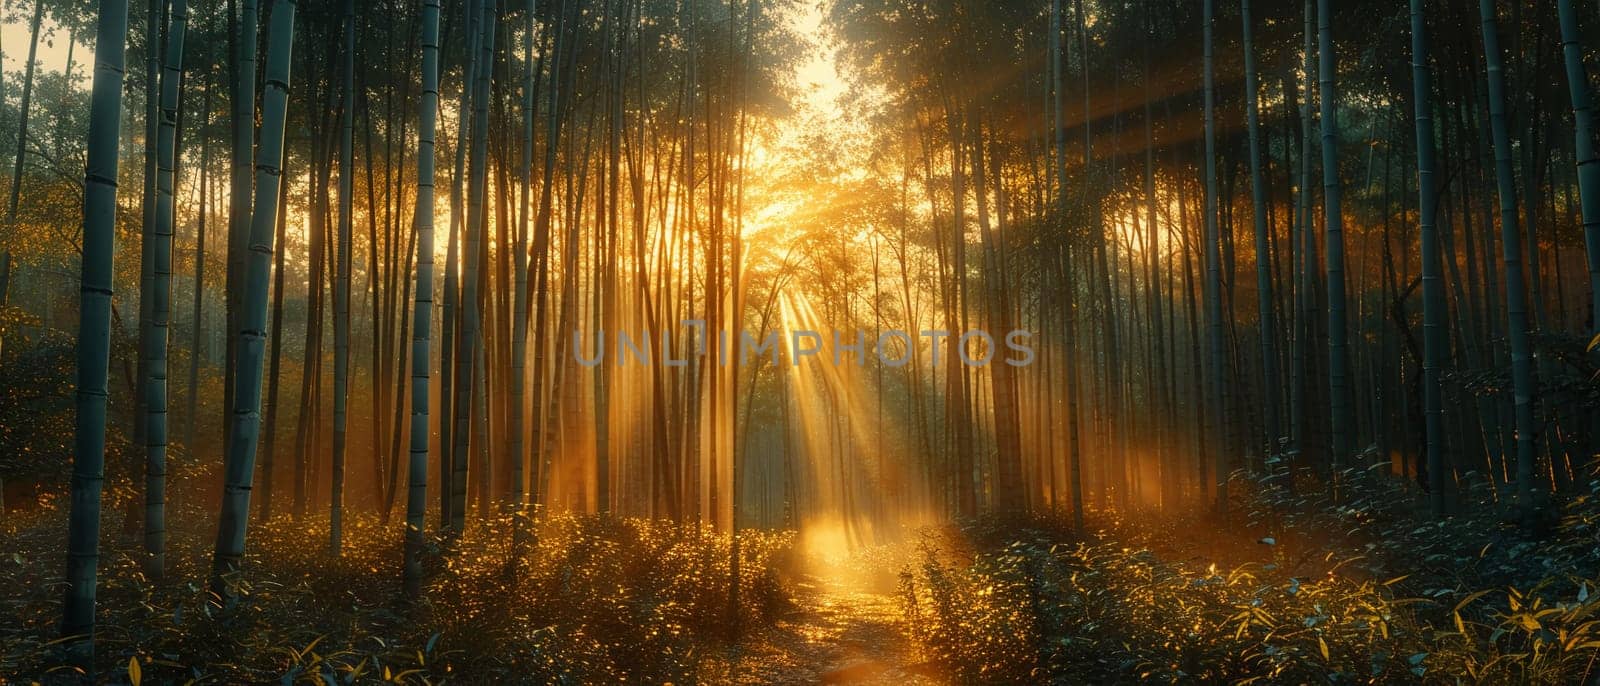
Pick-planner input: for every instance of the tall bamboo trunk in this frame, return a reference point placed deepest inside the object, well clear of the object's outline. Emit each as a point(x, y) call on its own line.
point(540, 458)
point(477, 188)
point(519, 327)
point(197, 331)
point(243, 83)
point(307, 445)
point(1213, 257)
point(94, 325)
point(341, 287)
point(1301, 354)
point(147, 258)
point(156, 335)
point(1008, 483)
point(1434, 315)
point(1524, 381)
point(1059, 256)
point(1166, 461)
point(22, 111)
point(417, 471)
point(239, 468)
point(398, 425)
point(1588, 161)
point(452, 278)
point(270, 433)
point(1342, 418)
point(605, 296)
point(1258, 196)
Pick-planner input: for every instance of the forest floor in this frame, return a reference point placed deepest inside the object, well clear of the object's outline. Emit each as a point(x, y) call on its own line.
point(1177, 599)
point(849, 623)
point(839, 632)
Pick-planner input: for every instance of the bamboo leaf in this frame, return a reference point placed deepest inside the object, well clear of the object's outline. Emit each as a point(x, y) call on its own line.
point(1468, 600)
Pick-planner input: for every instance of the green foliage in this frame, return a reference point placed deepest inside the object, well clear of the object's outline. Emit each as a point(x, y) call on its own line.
point(596, 601)
point(36, 409)
point(36, 415)
point(1092, 612)
point(1569, 384)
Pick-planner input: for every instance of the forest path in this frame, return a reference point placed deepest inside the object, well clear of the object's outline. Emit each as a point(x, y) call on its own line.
point(839, 631)
point(845, 624)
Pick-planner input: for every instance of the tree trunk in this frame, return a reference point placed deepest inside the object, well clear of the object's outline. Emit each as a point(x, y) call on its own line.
point(1588, 161)
point(519, 327)
point(452, 279)
point(1524, 381)
point(341, 287)
point(477, 193)
point(94, 326)
point(417, 479)
point(198, 331)
point(1434, 314)
point(147, 258)
point(1258, 196)
point(22, 111)
point(160, 296)
point(239, 468)
point(243, 71)
point(1342, 417)
point(1213, 289)
point(269, 436)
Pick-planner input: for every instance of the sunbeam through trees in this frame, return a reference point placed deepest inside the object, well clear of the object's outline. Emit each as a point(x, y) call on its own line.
point(799, 341)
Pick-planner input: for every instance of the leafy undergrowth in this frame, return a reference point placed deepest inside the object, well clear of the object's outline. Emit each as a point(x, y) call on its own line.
point(1468, 602)
point(37, 393)
point(1380, 525)
point(594, 601)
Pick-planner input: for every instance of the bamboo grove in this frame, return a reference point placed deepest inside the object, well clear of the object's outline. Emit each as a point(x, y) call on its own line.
point(483, 200)
point(1137, 167)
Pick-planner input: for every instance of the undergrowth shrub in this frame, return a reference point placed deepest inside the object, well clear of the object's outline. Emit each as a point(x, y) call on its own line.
point(1084, 612)
point(591, 600)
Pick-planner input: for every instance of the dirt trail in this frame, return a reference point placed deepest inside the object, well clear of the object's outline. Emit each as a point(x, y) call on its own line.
point(839, 632)
point(845, 625)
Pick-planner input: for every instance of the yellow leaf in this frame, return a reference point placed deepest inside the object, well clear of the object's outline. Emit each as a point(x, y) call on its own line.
point(1593, 342)
point(1468, 600)
point(1396, 580)
point(1323, 646)
point(133, 670)
point(301, 654)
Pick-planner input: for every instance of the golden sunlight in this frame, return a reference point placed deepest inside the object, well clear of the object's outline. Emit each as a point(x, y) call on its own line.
point(887, 343)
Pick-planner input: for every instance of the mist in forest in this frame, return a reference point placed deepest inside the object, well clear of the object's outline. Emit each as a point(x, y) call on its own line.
point(778, 341)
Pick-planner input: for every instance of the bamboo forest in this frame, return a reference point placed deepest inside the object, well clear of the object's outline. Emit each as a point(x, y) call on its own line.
point(799, 342)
